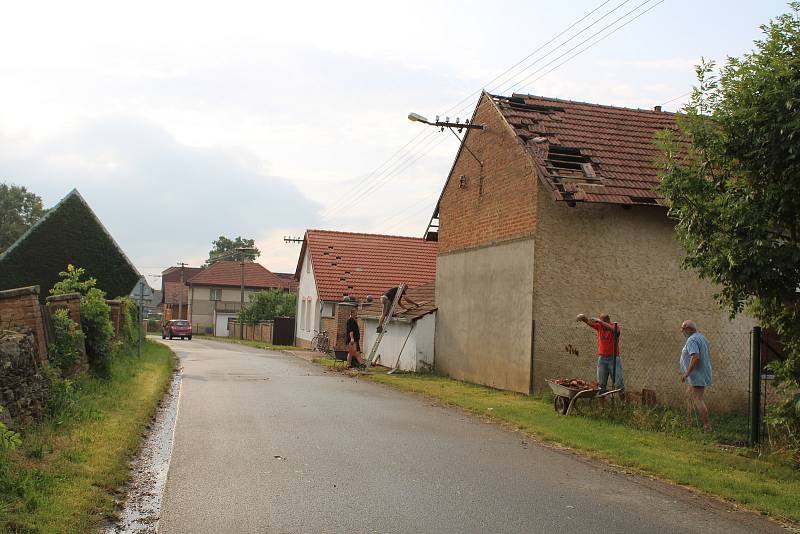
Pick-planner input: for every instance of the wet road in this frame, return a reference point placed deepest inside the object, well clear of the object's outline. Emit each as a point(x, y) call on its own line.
point(268, 443)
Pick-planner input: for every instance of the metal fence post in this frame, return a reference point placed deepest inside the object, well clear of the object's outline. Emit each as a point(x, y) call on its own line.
point(755, 387)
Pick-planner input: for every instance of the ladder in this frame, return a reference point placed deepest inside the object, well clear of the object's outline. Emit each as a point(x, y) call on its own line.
point(371, 358)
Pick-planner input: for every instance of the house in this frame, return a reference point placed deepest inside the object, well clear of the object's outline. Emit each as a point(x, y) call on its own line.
point(290, 281)
point(175, 291)
point(408, 340)
point(215, 293)
point(553, 211)
point(68, 233)
point(334, 265)
point(149, 298)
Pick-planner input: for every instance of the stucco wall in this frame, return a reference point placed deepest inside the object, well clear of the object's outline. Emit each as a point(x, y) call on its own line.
point(626, 262)
point(484, 319)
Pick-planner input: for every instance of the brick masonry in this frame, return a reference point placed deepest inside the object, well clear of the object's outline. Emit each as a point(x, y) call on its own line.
point(20, 308)
point(115, 314)
point(497, 208)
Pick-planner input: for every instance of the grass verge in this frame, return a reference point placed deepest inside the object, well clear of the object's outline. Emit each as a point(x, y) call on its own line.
point(248, 342)
point(66, 474)
point(765, 482)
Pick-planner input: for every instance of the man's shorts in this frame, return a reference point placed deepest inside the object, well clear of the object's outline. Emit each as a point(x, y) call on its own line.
point(386, 304)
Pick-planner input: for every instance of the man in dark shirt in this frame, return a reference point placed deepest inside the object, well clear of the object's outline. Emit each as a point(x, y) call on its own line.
point(352, 339)
point(387, 299)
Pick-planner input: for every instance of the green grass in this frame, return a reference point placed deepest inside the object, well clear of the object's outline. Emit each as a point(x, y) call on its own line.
point(768, 483)
point(68, 471)
point(248, 342)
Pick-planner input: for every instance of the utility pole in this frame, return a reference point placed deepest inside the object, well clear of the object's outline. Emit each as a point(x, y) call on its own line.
point(180, 294)
point(242, 251)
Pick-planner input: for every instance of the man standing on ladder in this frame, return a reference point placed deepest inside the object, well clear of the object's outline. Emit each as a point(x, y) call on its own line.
point(386, 299)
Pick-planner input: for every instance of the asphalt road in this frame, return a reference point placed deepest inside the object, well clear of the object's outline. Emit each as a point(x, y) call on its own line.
point(266, 442)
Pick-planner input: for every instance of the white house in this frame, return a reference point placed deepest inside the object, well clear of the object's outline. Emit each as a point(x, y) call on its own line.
point(334, 265)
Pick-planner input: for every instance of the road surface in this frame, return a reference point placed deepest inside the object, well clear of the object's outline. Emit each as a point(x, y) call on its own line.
point(266, 442)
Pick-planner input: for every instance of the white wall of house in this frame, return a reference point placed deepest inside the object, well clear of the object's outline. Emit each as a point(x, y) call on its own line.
point(417, 354)
point(307, 304)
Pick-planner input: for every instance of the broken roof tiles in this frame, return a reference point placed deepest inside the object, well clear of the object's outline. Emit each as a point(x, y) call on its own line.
point(592, 153)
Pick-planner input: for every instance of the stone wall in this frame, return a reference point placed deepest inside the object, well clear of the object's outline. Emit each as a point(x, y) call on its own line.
point(23, 389)
point(20, 307)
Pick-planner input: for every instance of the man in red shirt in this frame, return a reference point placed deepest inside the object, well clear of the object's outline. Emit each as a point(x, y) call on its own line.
point(608, 361)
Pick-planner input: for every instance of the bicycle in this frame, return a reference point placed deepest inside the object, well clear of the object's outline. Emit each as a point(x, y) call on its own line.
point(320, 342)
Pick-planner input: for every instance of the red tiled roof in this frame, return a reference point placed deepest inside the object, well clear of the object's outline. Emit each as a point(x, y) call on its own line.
point(616, 143)
point(290, 280)
point(228, 273)
point(173, 274)
point(346, 263)
point(424, 295)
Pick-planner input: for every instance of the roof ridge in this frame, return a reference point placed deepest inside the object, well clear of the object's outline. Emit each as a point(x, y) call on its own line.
point(581, 102)
point(365, 234)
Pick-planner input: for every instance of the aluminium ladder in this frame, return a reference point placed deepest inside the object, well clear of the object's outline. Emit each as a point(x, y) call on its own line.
point(371, 358)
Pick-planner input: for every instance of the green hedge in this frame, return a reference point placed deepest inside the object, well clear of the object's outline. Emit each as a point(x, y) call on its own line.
point(69, 233)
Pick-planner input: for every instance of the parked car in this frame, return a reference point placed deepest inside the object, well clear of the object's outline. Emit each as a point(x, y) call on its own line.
point(177, 328)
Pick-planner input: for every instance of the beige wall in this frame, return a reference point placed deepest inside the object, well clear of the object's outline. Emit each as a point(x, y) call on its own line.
point(483, 324)
point(595, 258)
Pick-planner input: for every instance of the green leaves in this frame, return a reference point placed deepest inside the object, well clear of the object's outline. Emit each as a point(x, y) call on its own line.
point(225, 249)
point(19, 210)
point(732, 182)
point(266, 305)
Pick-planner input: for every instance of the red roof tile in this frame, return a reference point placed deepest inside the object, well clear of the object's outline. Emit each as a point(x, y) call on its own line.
point(228, 273)
point(356, 264)
point(616, 143)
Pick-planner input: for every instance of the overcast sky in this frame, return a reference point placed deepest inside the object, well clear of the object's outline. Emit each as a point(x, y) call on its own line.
point(183, 121)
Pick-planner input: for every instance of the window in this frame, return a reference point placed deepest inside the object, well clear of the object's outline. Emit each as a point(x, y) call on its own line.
point(216, 294)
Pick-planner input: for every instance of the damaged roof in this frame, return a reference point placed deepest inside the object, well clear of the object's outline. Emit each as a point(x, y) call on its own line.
point(357, 264)
point(590, 152)
point(424, 295)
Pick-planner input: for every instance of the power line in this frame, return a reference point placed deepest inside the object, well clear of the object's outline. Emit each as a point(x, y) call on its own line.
point(676, 98)
point(336, 206)
point(388, 173)
point(598, 32)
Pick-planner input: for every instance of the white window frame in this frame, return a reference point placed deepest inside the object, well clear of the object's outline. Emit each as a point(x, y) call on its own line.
point(215, 291)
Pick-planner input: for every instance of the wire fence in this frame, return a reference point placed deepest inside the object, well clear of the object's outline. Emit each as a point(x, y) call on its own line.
point(650, 363)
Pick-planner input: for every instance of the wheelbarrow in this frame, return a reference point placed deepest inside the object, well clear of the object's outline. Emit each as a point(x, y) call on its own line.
point(566, 397)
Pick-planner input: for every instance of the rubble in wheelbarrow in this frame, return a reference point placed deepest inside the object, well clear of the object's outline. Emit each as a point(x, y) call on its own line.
point(576, 383)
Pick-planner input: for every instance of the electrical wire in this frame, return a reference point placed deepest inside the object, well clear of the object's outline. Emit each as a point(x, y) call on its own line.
point(395, 168)
point(380, 170)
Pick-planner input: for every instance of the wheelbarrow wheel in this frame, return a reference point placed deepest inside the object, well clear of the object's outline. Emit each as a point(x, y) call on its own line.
point(561, 404)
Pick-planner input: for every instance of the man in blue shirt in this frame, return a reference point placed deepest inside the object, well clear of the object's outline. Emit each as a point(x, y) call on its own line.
point(695, 366)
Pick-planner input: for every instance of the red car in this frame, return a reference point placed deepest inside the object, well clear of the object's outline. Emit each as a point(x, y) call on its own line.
point(177, 328)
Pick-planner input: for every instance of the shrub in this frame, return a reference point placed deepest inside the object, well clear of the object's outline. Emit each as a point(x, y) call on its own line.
point(98, 330)
point(128, 321)
point(8, 438)
point(266, 305)
point(68, 344)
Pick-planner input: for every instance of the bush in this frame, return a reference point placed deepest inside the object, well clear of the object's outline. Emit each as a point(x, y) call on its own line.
point(98, 330)
point(128, 321)
point(266, 305)
point(8, 438)
point(68, 344)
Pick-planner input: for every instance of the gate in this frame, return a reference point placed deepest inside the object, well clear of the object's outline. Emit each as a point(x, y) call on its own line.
point(283, 331)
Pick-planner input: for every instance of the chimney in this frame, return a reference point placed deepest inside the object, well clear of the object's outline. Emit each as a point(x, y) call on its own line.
point(657, 108)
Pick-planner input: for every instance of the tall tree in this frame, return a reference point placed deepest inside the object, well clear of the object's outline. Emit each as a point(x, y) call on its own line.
point(19, 210)
point(268, 304)
point(225, 249)
point(733, 184)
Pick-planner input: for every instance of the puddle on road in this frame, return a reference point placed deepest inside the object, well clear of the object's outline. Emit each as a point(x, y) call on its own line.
point(142, 508)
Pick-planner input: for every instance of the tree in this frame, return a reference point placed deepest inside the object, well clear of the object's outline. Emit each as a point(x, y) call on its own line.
point(225, 248)
point(732, 181)
point(266, 305)
point(19, 210)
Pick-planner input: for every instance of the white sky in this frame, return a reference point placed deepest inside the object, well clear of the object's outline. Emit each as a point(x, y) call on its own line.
point(183, 121)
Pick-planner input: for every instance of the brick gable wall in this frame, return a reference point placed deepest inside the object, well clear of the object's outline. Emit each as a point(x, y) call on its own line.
point(503, 208)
